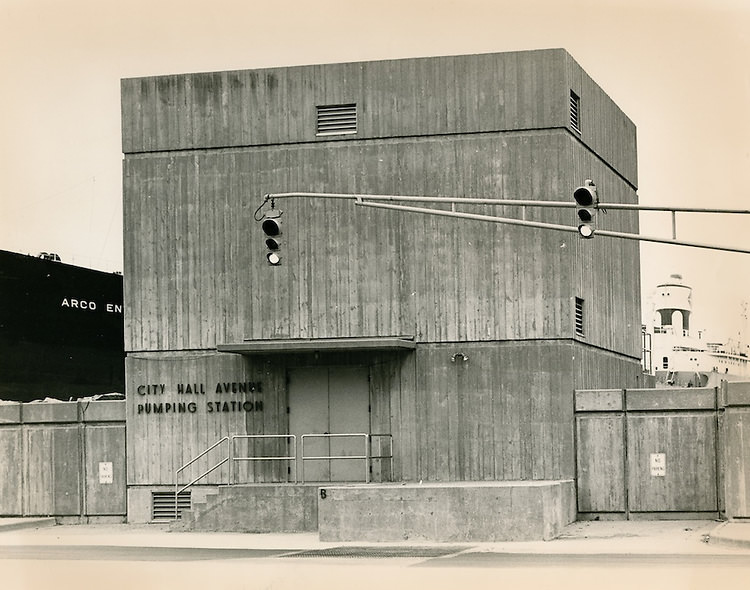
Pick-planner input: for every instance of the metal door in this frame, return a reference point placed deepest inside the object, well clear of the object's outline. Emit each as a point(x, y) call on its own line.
point(330, 400)
point(349, 405)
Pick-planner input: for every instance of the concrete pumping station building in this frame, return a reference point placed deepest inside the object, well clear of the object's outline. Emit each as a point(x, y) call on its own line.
point(449, 349)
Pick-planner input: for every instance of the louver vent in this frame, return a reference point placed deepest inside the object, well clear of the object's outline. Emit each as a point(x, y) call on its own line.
point(579, 316)
point(162, 505)
point(340, 119)
point(575, 111)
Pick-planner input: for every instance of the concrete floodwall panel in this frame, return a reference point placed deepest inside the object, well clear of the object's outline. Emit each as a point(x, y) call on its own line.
point(64, 459)
point(104, 470)
point(11, 451)
point(735, 446)
point(672, 463)
point(601, 463)
point(648, 451)
point(51, 470)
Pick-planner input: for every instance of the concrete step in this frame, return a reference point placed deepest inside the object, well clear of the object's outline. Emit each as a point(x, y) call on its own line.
point(256, 508)
point(201, 497)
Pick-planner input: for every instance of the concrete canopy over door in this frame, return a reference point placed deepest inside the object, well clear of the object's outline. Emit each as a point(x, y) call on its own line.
point(330, 400)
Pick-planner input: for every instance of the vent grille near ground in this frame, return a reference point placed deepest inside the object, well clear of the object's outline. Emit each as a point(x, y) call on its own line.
point(378, 552)
point(162, 505)
point(337, 119)
point(575, 109)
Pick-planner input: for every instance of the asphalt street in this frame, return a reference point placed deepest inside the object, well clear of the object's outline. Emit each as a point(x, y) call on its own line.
point(83, 567)
point(597, 555)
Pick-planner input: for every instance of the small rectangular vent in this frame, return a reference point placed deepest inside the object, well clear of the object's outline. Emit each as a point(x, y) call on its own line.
point(340, 119)
point(162, 505)
point(575, 112)
point(579, 316)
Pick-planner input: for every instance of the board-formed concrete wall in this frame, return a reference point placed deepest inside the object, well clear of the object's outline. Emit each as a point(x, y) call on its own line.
point(664, 451)
point(735, 450)
point(63, 459)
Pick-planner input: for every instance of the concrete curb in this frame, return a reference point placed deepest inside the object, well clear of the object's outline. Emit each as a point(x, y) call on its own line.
point(731, 534)
point(15, 524)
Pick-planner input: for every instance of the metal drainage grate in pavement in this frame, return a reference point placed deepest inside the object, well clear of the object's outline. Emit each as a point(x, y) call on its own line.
point(377, 552)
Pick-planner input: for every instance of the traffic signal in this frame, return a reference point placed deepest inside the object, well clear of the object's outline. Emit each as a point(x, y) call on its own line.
point(587, 204)
point(271, 226)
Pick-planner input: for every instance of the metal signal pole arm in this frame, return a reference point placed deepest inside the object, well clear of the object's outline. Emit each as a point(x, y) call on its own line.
point(387, 202)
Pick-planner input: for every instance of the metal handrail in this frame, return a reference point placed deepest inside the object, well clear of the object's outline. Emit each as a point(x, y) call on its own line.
point(365, 457)
point(390, 451)
point(287, 437)
point(390, 446)
point(177, 491)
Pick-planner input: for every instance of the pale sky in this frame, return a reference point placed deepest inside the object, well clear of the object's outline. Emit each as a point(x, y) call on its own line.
point(680, 69)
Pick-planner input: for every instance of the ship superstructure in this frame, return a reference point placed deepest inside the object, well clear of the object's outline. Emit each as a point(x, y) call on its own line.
point(682, 355)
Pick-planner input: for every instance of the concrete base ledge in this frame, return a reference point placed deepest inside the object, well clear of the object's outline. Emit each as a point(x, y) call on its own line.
point(731, 534)
point(20, 523)
point(446, 512)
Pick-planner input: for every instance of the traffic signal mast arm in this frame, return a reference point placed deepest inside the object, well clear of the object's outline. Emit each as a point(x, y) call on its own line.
point(381, 202)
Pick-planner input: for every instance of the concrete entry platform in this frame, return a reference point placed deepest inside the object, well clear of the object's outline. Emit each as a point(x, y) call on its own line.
point(449, 511)
point(452, 511)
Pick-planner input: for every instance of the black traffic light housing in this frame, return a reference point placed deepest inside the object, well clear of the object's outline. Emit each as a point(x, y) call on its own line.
point(271, 226)
point(587, 203)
